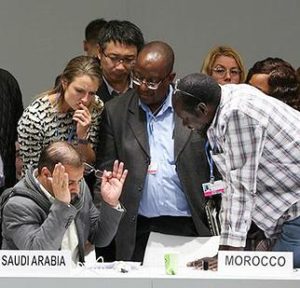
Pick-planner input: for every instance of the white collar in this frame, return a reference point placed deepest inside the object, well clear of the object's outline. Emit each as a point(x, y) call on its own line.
point(111, 89)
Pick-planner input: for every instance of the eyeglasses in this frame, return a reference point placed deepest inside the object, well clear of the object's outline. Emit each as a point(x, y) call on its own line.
point(116, 59)
point(150, 84)
point(88, 169)
point(176, 89)
point(222, 71)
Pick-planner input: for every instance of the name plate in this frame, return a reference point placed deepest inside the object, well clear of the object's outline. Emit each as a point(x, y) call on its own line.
point(255, 262)
point(21, 262)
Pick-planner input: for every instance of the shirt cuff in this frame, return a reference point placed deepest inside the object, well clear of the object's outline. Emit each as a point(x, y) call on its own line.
point(119, 207)
point(233, 239)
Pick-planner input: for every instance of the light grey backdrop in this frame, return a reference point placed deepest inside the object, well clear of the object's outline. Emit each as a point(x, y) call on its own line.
point(38, 37)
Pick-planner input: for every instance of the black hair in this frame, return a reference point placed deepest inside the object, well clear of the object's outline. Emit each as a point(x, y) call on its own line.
point(266, 66)
point(282, 80)
point(202, 87)
point(124, 32)
point(93, 28)
point(283, 83)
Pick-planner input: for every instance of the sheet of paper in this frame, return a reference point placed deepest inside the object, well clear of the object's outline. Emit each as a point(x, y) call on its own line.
point(188, 248)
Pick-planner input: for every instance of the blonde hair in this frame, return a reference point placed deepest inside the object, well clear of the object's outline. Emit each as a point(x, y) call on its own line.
point(211, 57)
point(78, 66)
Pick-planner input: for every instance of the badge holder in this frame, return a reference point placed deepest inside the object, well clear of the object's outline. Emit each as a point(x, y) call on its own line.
point(210, 189)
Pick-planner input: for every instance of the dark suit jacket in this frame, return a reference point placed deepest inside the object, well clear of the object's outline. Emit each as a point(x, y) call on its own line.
point(124, 137)
point(11, 108)
point(103, 93)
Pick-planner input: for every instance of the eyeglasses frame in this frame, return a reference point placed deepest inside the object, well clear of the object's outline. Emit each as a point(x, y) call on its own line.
point(98, 173)
point(223, 74)
point(117, 60)
point(139, 82)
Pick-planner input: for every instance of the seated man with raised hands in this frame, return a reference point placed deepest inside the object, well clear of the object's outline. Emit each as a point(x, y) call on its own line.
point(52, 208)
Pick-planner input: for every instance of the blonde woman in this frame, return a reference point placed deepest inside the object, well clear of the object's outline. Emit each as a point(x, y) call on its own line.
point(69, 112)
point(225, 65)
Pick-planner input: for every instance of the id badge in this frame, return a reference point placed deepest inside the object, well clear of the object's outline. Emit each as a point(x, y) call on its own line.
point(152, 168)
point(210, 189)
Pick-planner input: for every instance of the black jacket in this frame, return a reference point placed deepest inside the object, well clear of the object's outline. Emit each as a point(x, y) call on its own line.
point(11, 108)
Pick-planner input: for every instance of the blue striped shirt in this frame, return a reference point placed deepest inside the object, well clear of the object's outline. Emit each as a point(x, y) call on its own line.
point(162, 194)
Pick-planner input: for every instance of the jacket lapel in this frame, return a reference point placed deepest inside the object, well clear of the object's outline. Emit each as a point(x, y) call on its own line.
point(103, 93)
point(181, 136)
point(137, 121)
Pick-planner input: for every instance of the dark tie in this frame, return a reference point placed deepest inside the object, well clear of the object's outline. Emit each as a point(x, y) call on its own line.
point(114, 94)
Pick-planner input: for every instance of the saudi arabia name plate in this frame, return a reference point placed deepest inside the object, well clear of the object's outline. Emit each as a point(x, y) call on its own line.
point(22, 262)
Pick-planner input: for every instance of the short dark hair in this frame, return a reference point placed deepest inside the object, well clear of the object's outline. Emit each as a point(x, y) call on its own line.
point(203, 88)
point(124, 32)
point(93, 28)
point(59, 152)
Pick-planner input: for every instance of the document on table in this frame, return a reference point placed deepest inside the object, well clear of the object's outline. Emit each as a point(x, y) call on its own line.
point(188, 248)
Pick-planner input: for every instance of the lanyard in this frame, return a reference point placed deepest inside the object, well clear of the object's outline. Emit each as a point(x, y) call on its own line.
point(210, 162)
point(71, 134)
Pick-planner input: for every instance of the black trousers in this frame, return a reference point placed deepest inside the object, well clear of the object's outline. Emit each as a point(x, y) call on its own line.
point(172, 225)
point(108, 253)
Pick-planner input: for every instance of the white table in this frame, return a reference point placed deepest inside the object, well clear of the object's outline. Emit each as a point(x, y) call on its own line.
point(151, 278)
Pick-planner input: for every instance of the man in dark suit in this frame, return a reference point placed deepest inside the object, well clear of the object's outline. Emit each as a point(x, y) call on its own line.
point(166, 161)
point(11, 108)
point(119, 43)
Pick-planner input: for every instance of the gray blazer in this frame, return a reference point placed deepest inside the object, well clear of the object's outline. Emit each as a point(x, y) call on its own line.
point(123, 136)
point(27, 226)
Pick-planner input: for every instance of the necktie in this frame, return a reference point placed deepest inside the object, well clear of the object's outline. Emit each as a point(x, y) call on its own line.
point(114, 94)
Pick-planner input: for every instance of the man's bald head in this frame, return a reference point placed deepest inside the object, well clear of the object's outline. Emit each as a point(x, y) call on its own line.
point(157, 52)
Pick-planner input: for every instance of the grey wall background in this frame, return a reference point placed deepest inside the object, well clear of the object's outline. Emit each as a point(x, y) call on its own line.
point(38, 37)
